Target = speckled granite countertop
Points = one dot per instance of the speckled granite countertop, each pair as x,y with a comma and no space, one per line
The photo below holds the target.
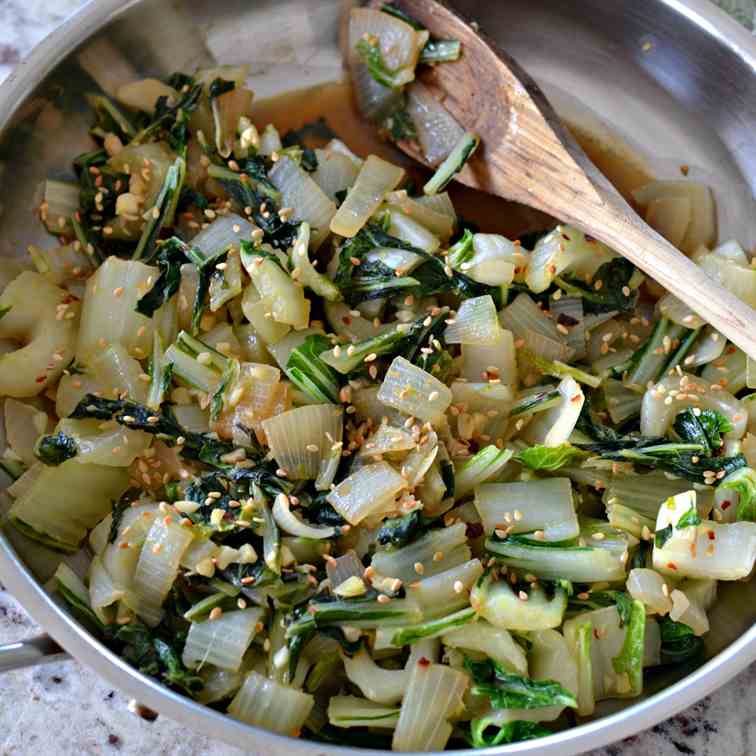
66,709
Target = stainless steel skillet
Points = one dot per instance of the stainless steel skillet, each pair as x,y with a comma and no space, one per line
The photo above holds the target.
673,79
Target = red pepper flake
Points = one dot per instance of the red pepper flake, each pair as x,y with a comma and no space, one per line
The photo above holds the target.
712,535
40,379
671,565
423,662
726,504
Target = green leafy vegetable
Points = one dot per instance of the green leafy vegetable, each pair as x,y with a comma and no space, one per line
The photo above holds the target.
609,289
510,691
397,532
310,374
369,51
629,661
678,642
705,427
511,732
155,655
171,256
742,482
55,449
549,458
123,504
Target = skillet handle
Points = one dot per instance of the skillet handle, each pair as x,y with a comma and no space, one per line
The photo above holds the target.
29,653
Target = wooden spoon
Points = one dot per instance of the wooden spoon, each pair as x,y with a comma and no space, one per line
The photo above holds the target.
527,155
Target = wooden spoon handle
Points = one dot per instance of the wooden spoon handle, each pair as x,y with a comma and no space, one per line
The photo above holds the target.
622,230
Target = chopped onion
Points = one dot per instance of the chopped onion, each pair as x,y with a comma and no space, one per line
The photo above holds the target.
494,642
368,491
440,223
545,347
437,130
375,180
24,424
158,566
335,172
732,251
525,506
524,315
671,217
678,312
225,232
708,347
102,592
301,439
221,642
476,322
307,199
738,279
568,312
647,586
621,402
352,711
447,591
483,362
143,94
412,390
292,524
495,260
62,201
344,567
433,697
703,224
267,704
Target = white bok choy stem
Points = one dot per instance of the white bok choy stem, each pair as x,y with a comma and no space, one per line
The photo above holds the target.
433,697
301,439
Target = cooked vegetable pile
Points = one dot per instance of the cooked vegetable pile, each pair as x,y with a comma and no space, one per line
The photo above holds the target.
345,467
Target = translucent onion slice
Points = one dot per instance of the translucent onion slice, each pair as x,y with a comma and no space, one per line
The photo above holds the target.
525,315
494,642
621,402
568,313
707,348
388,439
352,711
433,696
24,424
732,251
476,322
483,362
412,231
413,391
678,312
225,232
525,506
301,439
292,524
218,684
265,703
335,172
447,591
309,202
344,567
419,460
647,586
670,216
370,490
440,223
739,279
400,43
222,641
158,566
703,225
375,180
545,347
437,130
102,592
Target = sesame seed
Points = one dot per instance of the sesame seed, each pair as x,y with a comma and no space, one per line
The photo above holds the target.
216,613
419,569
